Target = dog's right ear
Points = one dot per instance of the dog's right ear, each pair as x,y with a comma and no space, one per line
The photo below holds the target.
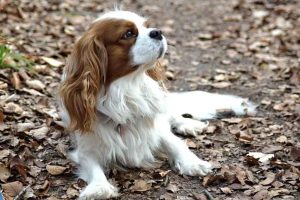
85,75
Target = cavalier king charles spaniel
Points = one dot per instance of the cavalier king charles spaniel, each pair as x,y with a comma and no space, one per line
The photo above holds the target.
113,100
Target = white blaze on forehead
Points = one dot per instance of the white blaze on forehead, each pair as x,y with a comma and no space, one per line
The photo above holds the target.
126,15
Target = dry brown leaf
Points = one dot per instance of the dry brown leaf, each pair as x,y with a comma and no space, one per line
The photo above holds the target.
282,139
51,61
190,143
243,136
4,173
35,84
55,169
226,190
164,173
269,180
211,129
3,85
18,164
221,85
15,80
4,153
233,120
32,92
172,188
295,153
263,158
1,117
271,149
240,175
21,127
261,195
12,189
72,192
40,133
13,108
141,186
211,178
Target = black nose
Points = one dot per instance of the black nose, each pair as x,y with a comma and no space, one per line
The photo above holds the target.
156,34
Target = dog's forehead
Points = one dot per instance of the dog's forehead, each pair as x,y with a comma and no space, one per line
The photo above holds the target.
125,15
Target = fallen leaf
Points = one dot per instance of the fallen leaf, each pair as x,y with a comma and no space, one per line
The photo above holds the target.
72,192
18,164
141,186
190,143
269,180
15,80
35,84
13,108
212,178
4,173
263,158
55,169
240,175
233,120
172,188
271,149
221,85
21,127
211,129
12,189
261,195
294,154
33,92
281,139
4,153
51,61
226,190
40,133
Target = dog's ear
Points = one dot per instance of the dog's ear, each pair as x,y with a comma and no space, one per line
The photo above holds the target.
84,77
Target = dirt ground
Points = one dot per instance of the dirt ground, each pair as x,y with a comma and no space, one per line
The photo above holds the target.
249,48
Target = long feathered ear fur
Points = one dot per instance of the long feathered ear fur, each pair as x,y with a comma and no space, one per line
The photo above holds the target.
85,75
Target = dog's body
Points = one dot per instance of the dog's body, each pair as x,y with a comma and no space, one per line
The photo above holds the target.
133,114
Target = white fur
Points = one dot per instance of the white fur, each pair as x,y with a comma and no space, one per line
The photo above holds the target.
135,116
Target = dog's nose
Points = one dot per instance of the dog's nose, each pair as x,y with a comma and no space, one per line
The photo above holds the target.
156,34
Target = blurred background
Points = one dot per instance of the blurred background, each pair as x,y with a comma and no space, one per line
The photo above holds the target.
246,47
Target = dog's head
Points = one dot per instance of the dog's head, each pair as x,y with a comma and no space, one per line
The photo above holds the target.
117,44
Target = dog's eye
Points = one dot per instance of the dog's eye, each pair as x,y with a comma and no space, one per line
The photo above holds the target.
129,34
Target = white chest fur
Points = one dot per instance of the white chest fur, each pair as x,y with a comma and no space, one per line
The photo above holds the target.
133,102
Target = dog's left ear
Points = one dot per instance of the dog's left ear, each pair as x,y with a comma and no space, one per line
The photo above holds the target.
85,75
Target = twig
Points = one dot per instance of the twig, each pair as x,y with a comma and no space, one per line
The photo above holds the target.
21,193
208,195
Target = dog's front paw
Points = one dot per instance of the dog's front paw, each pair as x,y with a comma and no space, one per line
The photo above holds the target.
188,127
96,191
193,166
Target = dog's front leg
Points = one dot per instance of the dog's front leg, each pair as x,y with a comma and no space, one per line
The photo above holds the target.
180,157
92,172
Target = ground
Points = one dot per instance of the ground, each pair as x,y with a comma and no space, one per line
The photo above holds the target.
249,48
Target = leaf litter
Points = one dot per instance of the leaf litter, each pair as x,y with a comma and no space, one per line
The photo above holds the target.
248,48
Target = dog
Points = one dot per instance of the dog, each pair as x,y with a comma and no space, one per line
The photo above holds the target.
113,100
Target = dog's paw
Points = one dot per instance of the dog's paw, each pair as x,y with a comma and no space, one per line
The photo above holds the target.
188,127
96,191
193,166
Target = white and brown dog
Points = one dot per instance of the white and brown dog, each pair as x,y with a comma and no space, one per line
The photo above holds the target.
112,99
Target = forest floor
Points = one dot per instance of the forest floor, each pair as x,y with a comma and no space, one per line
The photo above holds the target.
249,48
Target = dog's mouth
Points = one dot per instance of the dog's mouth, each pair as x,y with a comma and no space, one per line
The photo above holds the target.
161,52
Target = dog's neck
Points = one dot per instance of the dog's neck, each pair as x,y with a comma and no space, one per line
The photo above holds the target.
132,98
